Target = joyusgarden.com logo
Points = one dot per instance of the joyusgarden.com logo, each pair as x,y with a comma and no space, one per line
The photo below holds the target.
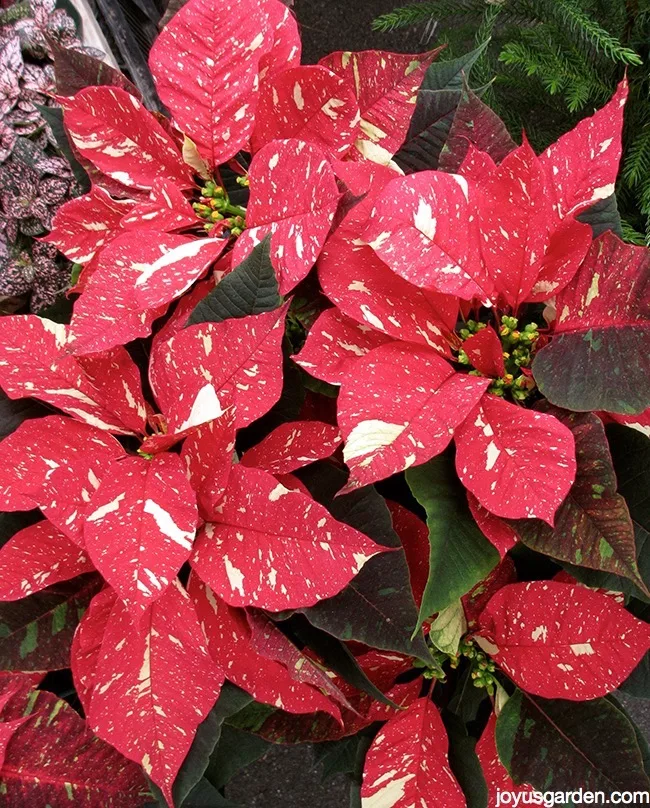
578,797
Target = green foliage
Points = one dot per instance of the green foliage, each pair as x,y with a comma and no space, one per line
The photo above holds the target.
551,62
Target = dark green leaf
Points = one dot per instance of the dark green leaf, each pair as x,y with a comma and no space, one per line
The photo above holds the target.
464,761
640,737
11,523
205,795
603,216
54,118
467,699
36,632
252,716
593,527
637,683
14,412
251,288
60,311
75,70
357,774
340,757
231,700
236,750
568,745
460,556
438,99
631,457
377,607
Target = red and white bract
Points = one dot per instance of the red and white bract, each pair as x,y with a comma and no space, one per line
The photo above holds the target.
480,595
87,644
309,103
401,409
115,132
414,535
640,422
88,772
133,282
495,529
167,210
155,682
176,322
386,87
207,454
34,361
610,290
365,289
298,221
292,446
36,557
140,527
207,366
117,379
272,644
561,641
209,82
275,548
230,643
408,763
515,215
286,47
84,225
581,167
568,244
334,344
497,779
422,227
55,464
477,164
485,353
501,447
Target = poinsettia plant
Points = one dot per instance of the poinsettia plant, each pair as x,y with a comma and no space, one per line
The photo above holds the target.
326,455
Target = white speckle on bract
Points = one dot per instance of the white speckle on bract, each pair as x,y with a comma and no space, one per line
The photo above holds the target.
424,219
278,491
369,436
463,184
541,632
235,576
389,795
298,99
582,649
104,510
330,107
593,292
167,526
493,453
189,250
371,318
206,407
